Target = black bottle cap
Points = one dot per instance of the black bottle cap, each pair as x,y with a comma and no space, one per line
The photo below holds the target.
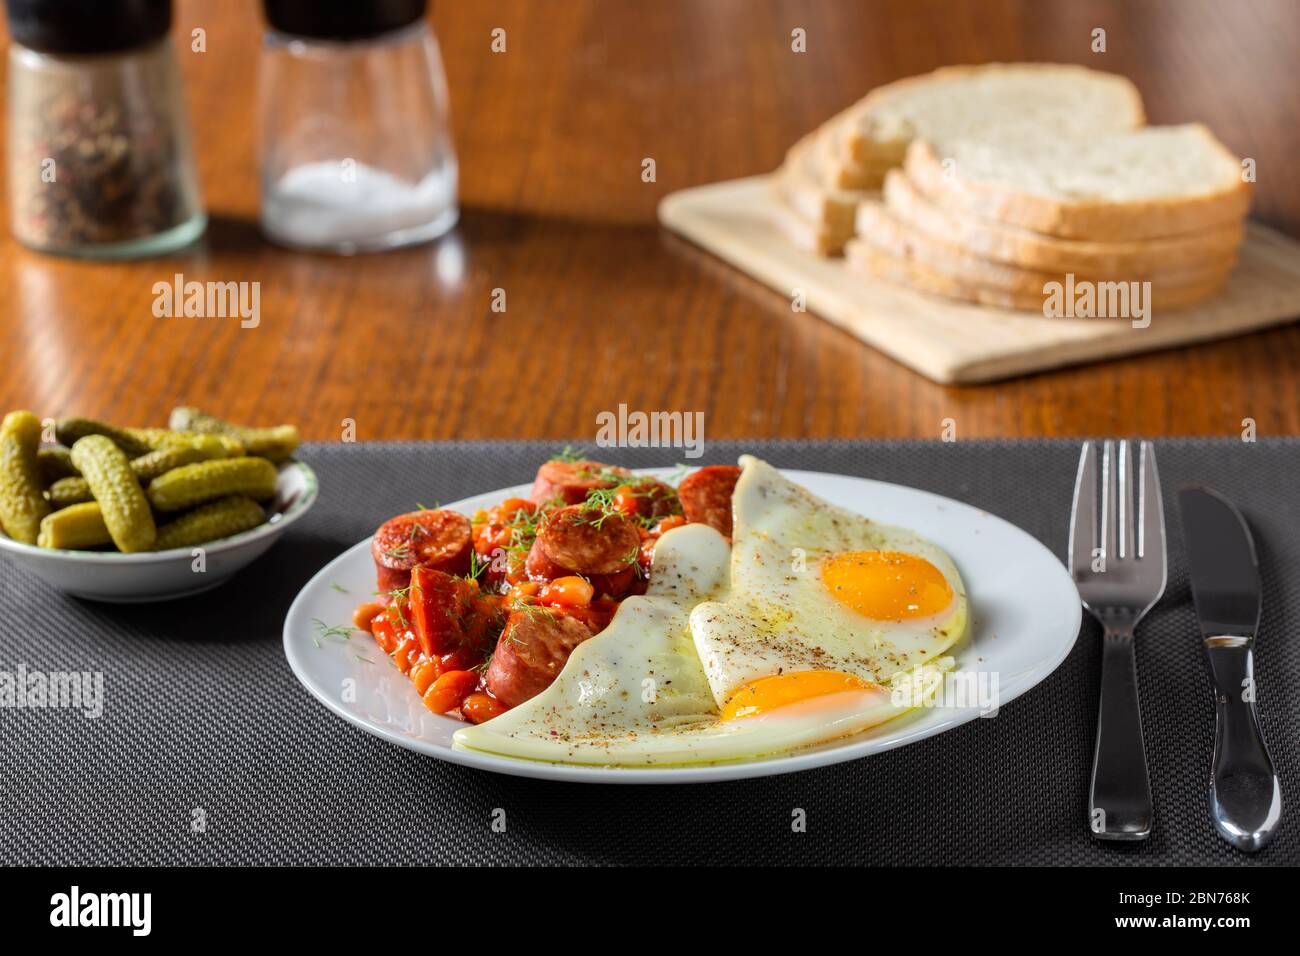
342,19
87,26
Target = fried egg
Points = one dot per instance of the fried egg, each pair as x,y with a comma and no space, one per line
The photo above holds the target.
822,600
640,694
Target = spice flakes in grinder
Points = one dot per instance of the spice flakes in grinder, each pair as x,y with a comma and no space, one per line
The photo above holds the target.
100,159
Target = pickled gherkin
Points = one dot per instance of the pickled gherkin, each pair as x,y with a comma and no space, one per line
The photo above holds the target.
187,418
22,505
117,490
55,463
71,491
276,443
71,430
75,527
148,467
204,481
217,519
210,446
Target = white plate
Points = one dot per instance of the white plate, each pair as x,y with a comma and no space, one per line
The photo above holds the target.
1024,606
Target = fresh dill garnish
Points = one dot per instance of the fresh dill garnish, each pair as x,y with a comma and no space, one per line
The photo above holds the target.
570,454
323,630
364,659
477,565
523,525
338,587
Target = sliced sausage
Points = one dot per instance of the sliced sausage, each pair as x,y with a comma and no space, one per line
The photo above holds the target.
540,568
430,539
589,541
706,496
570,481
532,650
618,584
652,497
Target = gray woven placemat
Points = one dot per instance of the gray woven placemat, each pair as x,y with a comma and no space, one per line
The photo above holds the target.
202,713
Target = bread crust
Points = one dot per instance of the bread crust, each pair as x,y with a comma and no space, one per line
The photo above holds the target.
880,229
1032,250
1098,219
859,144
910,274
802,187
816,237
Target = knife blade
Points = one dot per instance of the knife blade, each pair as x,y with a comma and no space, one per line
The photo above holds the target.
1223,564
1245,797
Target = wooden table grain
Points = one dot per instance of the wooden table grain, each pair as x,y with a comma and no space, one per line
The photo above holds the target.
602,307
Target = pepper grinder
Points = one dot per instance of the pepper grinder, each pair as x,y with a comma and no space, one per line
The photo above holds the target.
356,151
99,152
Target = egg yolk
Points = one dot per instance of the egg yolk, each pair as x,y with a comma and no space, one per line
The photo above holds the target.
780,690
886,585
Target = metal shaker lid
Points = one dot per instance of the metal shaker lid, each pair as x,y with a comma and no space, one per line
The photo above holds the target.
88,26
342,19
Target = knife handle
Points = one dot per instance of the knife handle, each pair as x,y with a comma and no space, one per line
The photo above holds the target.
1119,805
1245,797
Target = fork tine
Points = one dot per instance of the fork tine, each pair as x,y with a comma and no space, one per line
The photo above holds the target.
1128,494
1083,517
1108,508
1151,529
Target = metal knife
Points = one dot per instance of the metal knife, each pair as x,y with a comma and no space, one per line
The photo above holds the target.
1245,798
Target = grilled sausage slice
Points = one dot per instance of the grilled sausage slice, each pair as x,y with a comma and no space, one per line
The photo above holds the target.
706,496
571,481
531,652
432,539
589,541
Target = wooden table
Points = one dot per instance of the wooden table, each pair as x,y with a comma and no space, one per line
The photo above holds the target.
602,306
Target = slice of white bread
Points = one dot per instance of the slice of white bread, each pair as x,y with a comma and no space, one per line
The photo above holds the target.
1148,183
957,102
862,257
827,172
828,210
1032,250
878,228
839,173
805,233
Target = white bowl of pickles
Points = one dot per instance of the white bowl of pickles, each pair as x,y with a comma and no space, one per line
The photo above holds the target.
130,515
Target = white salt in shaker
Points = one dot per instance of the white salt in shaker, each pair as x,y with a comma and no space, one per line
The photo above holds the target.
356,149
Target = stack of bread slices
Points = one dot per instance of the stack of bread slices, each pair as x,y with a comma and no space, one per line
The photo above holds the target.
988,183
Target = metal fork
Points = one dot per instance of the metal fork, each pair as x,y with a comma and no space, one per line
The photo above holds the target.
1119,580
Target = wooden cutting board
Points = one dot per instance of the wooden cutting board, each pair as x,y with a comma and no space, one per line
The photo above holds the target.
955,343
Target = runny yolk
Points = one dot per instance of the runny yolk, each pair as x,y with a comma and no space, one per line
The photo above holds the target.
780,690
886,585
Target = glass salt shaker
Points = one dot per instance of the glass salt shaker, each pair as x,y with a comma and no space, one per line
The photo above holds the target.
356,150
99,152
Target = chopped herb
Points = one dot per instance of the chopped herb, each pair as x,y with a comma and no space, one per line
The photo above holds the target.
570,454
477,565
323,630
338,587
